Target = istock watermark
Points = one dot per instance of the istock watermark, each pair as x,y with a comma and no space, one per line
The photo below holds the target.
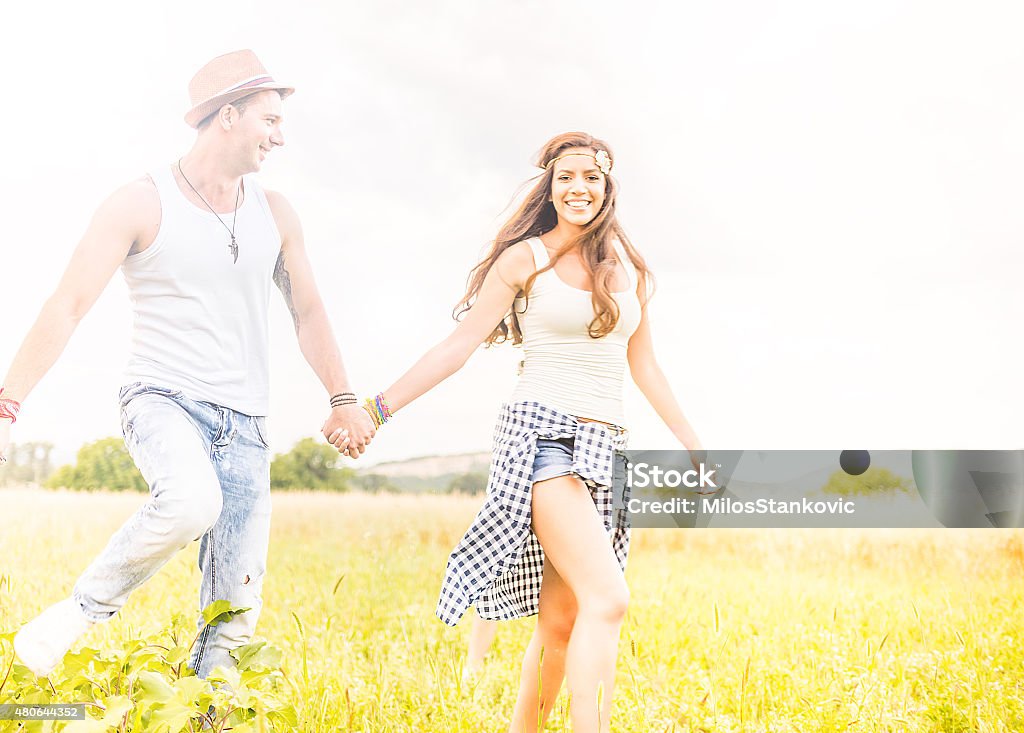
726,505
51,711
849,488
644,475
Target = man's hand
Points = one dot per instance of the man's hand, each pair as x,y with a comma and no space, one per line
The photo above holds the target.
349,429
5,438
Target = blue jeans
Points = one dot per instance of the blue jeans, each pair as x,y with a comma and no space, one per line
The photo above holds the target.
208,470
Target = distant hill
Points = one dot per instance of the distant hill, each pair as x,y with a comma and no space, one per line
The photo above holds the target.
436,473
433,466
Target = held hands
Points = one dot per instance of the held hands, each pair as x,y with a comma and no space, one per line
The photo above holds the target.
349,429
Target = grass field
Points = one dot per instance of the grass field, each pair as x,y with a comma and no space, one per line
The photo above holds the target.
728,630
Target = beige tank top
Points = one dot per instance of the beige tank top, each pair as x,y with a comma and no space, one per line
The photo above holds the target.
563,367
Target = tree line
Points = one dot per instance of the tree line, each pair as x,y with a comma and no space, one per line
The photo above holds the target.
310,465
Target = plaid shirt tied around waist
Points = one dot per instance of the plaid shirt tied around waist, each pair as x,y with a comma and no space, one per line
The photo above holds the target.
498,565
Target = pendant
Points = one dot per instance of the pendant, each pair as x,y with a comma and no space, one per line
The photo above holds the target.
234,248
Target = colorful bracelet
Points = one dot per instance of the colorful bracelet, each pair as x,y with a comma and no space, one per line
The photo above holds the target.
372,412
9,408
382,406
378,410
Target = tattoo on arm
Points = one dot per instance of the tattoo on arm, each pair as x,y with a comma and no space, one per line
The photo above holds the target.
284,284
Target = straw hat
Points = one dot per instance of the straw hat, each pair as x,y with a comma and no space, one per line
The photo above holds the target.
227,79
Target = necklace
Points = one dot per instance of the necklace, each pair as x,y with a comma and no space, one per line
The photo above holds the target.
233,247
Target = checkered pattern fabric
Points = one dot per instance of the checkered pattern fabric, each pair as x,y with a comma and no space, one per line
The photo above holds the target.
498,565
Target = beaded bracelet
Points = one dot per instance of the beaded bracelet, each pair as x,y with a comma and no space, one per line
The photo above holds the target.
382,406
372,412
343,398
9,408
378,410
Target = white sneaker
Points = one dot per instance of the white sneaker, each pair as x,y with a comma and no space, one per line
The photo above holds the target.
42,643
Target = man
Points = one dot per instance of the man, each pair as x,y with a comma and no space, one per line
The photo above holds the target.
199,243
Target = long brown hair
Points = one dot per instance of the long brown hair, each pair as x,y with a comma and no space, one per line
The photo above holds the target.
537,216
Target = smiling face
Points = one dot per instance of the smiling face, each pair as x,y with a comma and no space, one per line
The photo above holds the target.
577,187
256,129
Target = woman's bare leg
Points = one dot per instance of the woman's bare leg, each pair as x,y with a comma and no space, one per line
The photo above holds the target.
539,685
481,636
577,546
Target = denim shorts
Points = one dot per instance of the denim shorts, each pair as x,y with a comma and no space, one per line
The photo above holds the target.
553,458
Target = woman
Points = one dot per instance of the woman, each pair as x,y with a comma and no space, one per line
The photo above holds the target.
563,280
481,636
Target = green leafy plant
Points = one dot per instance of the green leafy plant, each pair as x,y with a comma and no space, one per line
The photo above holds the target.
146,685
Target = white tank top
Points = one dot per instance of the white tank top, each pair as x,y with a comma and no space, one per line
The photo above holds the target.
563,367
201,320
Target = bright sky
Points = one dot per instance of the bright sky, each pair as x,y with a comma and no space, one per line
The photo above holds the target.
830,195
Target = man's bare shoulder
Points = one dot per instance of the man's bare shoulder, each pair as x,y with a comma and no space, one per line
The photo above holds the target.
136,201
285,217
129,218
277,201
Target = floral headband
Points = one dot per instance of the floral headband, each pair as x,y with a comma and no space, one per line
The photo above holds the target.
601,157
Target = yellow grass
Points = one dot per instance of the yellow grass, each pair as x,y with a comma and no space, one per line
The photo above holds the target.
728,630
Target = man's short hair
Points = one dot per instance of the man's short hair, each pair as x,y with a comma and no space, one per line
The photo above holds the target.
239,104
